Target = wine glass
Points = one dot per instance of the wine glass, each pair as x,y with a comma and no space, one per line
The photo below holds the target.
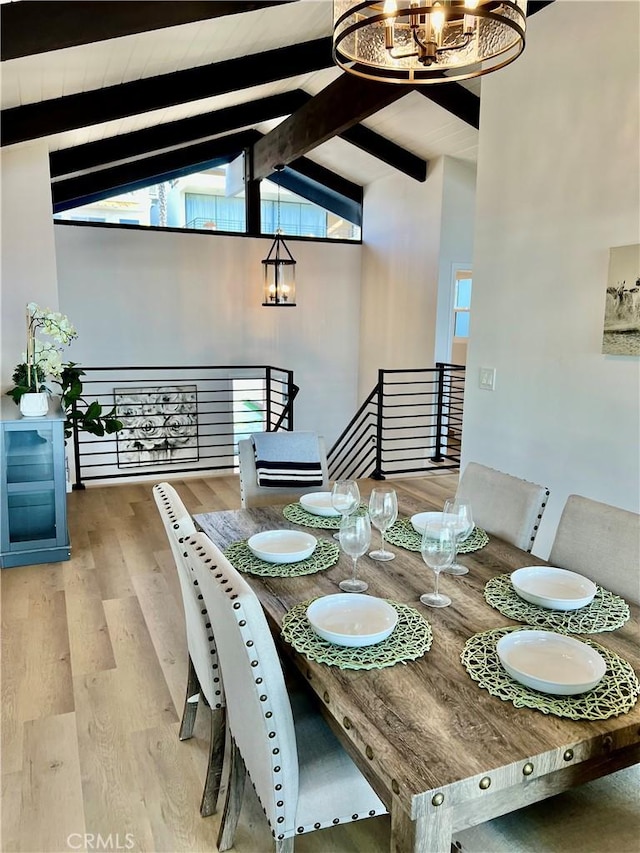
383,511
460,515
437,548
355,538
345,498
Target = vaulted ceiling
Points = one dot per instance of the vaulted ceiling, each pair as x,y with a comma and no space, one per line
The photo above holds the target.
128,92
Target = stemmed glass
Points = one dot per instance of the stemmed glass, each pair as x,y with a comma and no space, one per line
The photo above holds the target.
461,517
355,538
345,498
383,511
437,548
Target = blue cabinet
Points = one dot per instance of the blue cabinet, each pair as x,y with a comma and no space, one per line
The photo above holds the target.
33,498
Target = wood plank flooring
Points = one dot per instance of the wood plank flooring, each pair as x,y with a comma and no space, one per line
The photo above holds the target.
93,674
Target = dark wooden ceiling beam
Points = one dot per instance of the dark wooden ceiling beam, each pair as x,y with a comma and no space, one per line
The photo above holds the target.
387,151
323,177
161,136
161,167
534,6
154,139
455,99
343,103
295,179
33,121
39,26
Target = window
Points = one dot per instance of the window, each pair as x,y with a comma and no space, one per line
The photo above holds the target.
200,201
248,407
299,217
214,212
462,304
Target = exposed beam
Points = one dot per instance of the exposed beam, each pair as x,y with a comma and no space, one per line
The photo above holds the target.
336,108
320,194
144,142
139,96
455,99
39,26
105,182
323,177
387,151
161,136
534,6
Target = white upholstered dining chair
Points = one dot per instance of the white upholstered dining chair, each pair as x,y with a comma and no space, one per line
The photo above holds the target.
303,777
601,542
204,678
602,816
252,494
506,506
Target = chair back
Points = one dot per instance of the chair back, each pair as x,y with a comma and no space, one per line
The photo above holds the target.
258,707
506,506
601,542
179,526
251,494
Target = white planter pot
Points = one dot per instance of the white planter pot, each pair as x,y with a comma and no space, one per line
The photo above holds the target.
34,405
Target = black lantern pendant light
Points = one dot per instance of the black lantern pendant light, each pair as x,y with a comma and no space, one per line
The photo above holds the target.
279,269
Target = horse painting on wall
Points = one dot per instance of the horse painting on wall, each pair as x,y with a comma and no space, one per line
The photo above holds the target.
621,334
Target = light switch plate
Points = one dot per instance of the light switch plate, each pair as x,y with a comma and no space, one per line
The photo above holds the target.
488,378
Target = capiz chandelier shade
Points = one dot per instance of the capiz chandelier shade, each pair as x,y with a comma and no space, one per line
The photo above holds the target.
411,41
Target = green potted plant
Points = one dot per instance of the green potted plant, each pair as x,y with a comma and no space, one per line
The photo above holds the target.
42,360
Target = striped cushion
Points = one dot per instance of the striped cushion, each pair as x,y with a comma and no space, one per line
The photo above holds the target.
288,473
288,459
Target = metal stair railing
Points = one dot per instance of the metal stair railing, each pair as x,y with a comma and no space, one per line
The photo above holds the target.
410,423
353,453
179,420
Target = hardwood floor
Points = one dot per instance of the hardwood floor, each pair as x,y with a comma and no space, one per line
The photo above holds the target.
93,677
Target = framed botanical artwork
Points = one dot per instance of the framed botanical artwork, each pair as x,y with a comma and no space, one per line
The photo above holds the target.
160,424
621,335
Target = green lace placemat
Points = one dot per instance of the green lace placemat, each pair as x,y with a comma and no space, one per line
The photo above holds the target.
299,515
326,554
410,639
403,535
607,611
616,694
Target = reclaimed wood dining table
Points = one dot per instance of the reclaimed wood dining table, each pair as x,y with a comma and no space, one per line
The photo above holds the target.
442,753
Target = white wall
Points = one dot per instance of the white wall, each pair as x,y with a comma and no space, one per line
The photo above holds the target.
161,298
558,185
401,228
456,248
28,266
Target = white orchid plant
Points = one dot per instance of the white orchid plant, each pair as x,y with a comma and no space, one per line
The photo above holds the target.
43,360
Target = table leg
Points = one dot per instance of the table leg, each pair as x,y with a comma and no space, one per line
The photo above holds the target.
428,834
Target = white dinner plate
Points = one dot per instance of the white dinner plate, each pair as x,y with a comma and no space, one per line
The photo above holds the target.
352,619
421,519
282,546
551,663
319,503
553,588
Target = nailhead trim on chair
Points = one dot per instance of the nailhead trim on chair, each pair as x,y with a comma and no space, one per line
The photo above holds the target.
249,643
176,526
535,526
168,510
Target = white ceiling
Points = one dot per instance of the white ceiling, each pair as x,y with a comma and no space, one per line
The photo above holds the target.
414,122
